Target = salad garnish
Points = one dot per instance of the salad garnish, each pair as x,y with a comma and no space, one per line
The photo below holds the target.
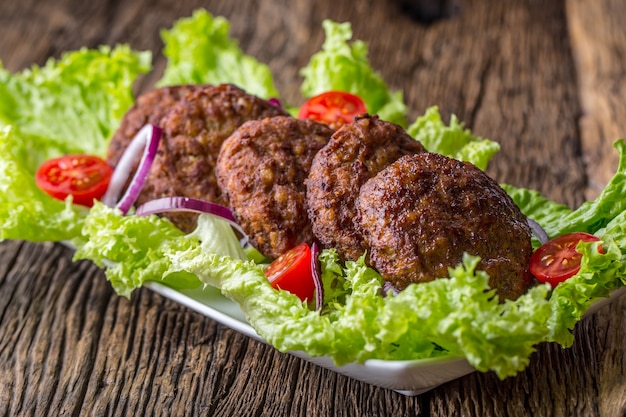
192,205
538,231
83,177
317,276
557,260
334,108
293,271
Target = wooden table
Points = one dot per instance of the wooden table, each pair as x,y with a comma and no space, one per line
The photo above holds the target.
545,79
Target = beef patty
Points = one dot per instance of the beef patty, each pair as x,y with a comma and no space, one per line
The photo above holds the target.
354,154
420,214
261,170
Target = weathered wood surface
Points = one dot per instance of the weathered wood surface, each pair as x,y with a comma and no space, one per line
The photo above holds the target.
545,79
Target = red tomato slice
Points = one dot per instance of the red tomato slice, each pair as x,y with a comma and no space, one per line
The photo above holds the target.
558,259
292,272
335,108
85,177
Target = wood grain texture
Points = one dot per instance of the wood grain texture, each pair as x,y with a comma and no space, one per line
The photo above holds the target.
598,41
545,79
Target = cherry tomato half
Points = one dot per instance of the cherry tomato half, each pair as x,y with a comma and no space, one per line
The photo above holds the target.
292,272
335,108
85,177
558,259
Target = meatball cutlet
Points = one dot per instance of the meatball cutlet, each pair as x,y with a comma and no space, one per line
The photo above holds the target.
194,129
420,215
261,169
355,153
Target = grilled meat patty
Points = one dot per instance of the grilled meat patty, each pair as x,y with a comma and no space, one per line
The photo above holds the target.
421,213
261,170
355,153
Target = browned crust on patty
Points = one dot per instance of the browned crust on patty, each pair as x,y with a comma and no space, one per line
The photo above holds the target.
150,107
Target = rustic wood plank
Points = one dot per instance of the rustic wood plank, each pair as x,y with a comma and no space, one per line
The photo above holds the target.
598,39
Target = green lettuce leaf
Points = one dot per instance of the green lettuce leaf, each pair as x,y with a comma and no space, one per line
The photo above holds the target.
455,316
68,106
600,273
199,51
131,249
544,211
217,236
594,215
344,67
71,105
591,216
333,281
453,141
458,316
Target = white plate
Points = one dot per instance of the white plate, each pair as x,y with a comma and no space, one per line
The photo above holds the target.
411,377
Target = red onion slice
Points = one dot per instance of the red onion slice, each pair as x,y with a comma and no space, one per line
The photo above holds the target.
317,277
537,230
177,204
147,139
275,102
389,287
